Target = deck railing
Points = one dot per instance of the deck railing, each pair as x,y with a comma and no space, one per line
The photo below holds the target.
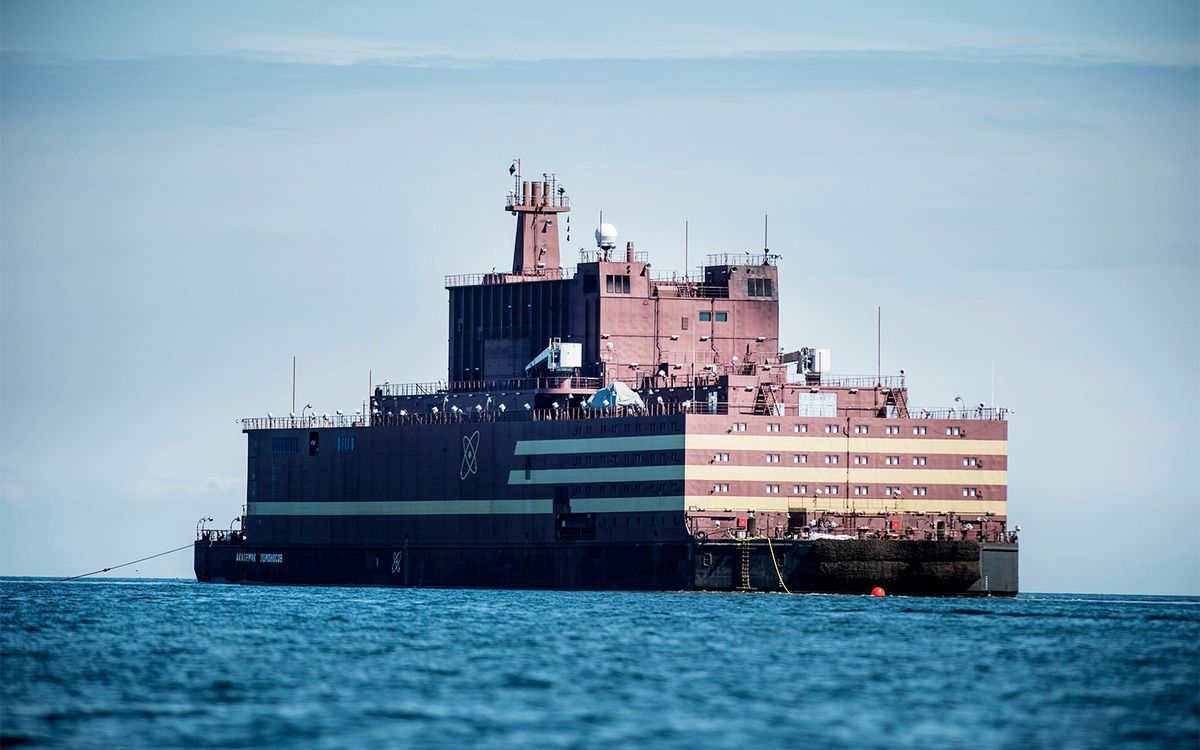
312,422
667,408
998,413
504,277
741,259
497,385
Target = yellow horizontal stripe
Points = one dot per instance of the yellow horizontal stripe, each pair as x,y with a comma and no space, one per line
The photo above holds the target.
800,442
838,504
465,507
833,474
657,473
599,445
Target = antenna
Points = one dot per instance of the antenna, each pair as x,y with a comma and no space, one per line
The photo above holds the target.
765,246
293,382
685,249
878,346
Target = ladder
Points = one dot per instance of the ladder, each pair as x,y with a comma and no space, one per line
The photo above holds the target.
745,585
765,400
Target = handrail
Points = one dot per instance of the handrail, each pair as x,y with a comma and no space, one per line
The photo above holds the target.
313,421
995,413
741,259
861,381
498,277
615,255
563,382
493,414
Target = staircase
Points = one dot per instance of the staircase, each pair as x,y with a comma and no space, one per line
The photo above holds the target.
765,401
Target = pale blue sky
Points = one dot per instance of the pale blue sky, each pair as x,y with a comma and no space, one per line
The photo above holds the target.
193,192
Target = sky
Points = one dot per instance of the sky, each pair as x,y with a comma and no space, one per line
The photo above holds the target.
192,193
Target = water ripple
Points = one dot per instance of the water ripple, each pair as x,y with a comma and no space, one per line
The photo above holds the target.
178,664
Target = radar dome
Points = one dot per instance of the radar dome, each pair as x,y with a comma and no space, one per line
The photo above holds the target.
606,236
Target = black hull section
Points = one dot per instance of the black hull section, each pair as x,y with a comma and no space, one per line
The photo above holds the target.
938,568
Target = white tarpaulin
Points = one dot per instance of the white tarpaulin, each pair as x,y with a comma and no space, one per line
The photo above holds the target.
617,394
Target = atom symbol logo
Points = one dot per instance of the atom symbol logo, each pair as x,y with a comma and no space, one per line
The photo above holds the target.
470,452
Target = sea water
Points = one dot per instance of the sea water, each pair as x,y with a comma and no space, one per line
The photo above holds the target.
132,663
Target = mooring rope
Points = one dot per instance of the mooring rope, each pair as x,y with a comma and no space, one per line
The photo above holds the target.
122,565
775,562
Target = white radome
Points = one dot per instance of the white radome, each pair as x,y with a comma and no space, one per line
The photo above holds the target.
606,236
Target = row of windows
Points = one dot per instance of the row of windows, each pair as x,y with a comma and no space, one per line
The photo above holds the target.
759,287
860,429
859,460
773,489
616,428
616,284
718,316
861,490
893,491
629,458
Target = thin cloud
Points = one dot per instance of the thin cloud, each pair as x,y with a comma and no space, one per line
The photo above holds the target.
322,49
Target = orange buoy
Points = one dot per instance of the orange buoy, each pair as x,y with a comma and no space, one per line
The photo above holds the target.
878,591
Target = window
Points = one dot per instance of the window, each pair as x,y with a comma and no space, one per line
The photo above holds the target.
739,427
721,457
918,460
860,429
892,491
722,317
759,287
772,489
346,443
832,429
892,430
799,428
953,430
683,323
831,459
861,490
918,430
892,460
920,491
705,316
799,489
772,428
861,460
970,461
285,445
970,492
616,284
799,458
772,458
831,489
720,488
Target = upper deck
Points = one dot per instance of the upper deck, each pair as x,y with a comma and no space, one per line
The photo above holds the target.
703,342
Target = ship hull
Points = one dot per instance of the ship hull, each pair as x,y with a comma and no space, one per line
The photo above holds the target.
938,568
